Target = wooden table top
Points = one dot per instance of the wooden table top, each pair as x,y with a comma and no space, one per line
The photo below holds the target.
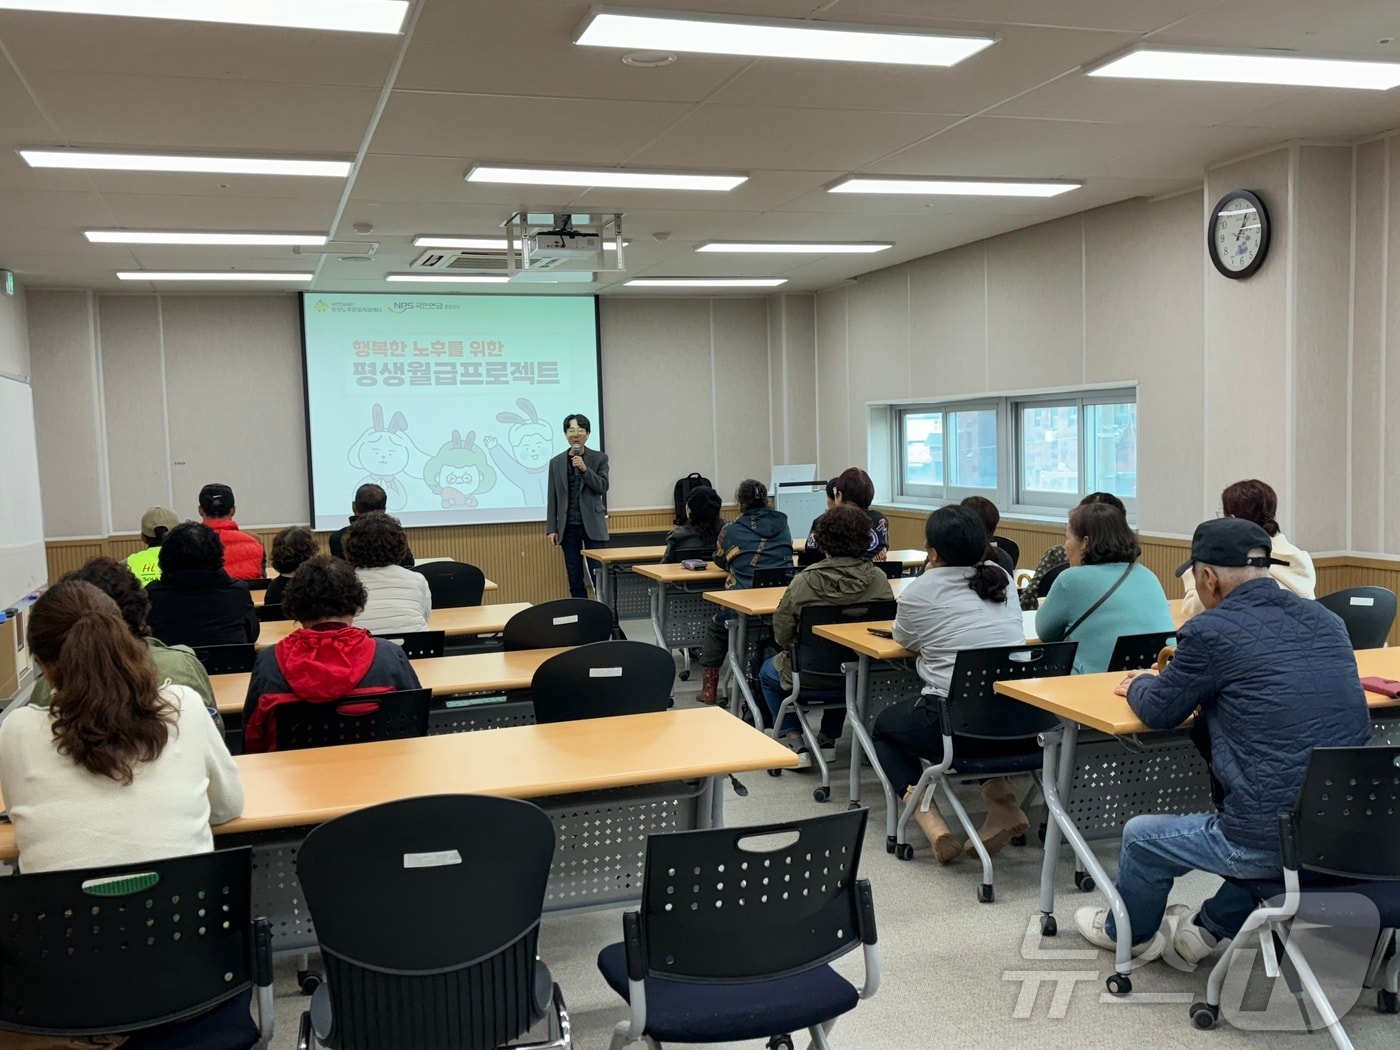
763,601
471,619
907,556
672,572
260,597
293,788
492,672
613,555
1089,699
857,638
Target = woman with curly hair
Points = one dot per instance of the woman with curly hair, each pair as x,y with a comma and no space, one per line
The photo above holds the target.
398,598
291,549
326,658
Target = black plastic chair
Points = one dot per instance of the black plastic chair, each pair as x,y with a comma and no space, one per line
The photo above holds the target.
419,645
226,659
1136,652
1340,849
820,661
564,621
427,912
893,570
167,948
737,931
354,720
1042,587
1010,546
258,585
453,584
602,679
779,576
1368,612
975,711
270,613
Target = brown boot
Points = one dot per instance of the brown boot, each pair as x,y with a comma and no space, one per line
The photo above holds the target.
1004,817
710,688
932,824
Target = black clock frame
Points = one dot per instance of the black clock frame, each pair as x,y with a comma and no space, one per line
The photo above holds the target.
1264,233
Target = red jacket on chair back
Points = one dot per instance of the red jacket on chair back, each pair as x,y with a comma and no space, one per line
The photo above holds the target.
243,554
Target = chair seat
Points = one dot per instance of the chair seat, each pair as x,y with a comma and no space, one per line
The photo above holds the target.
1315,906
687,1012
996,765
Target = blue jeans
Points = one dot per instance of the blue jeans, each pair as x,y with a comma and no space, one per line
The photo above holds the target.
774,693
1158,848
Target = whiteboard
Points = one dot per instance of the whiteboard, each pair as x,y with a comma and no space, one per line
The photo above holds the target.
23,565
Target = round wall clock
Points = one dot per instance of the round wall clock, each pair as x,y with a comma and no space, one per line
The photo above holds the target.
1237,235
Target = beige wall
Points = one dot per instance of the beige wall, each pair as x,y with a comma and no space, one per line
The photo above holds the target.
142,399
14,335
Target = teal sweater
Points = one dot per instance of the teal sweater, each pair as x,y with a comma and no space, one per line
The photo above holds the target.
1139,606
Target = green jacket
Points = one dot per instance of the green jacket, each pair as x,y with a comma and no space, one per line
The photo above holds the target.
831,581
174,662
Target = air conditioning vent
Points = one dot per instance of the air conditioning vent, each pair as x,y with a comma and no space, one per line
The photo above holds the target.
462,262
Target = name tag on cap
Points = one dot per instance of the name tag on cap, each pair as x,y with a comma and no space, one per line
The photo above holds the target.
440,859
605,672
565,619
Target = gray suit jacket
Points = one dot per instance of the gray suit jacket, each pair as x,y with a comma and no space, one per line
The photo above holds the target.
592,497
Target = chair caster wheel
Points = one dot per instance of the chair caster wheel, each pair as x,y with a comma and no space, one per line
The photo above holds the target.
1119,984
821,794
1387,1002
1204,1016
775,772
684,676
853,804
309,981
1048,926
1083,881
891,843
780,1042
1018,840
904,851
986,894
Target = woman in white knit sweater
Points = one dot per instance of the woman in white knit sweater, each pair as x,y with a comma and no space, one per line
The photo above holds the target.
399,599
122,767
1256,501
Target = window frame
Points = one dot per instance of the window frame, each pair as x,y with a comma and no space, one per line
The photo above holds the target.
947,492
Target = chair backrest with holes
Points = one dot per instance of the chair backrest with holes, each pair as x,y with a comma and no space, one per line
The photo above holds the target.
1347,821
742,904
226,659
1136,652
419,645
303,724
977,710
122,948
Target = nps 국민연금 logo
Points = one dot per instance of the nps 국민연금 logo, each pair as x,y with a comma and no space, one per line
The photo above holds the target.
321,306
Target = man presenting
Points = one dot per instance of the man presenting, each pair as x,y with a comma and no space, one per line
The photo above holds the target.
577,514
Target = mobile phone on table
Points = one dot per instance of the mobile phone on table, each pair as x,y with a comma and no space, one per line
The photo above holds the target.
880,632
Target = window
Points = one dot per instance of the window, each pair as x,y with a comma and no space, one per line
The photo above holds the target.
1030,453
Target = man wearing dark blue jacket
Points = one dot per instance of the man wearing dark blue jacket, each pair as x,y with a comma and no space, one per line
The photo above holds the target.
1273,676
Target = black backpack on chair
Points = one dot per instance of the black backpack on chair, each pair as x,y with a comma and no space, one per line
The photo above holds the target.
684,487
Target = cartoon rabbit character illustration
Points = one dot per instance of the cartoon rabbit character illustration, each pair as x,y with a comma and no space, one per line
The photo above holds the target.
385,453
530,439
459,471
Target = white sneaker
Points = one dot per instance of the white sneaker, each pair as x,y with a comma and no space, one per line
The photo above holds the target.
1187,941
1090,922
794,743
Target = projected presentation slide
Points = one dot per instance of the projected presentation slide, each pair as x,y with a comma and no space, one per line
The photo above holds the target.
453,403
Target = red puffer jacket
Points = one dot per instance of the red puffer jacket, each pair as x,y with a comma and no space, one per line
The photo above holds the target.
243,554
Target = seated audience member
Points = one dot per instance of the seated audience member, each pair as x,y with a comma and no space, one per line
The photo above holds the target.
399,599
854,486
291,549
326,658
960,602
991,518
1272,676
810,551
1105,593
175,664
843,577
758,539
195,602
369,499
244,557
1055,558
118,768
1292,569
696,538
155,523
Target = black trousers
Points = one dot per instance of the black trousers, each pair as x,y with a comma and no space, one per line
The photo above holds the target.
574,541
912,730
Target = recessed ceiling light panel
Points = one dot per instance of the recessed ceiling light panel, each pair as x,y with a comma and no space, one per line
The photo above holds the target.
777,38
796,247
1250,67
953,187
210,276
90,160
351,16
706,282
606,178
233,239
448,278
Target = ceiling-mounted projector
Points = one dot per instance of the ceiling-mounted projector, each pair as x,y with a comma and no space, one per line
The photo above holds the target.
563,246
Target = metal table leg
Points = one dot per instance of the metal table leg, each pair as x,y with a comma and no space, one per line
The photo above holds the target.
658,613
1057,766
715,786
602,585
739,685
866,745
854,709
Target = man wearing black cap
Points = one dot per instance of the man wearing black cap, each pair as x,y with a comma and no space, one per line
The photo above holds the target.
1273,676
244,557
